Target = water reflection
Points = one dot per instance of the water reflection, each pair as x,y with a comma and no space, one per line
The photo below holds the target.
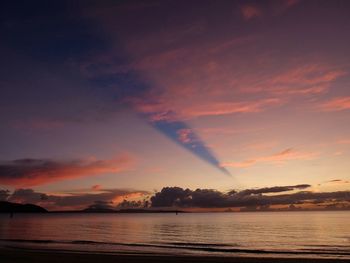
291,231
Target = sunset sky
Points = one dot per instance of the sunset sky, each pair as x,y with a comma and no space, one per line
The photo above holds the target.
107,100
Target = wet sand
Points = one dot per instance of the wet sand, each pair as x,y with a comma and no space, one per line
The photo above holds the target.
12,255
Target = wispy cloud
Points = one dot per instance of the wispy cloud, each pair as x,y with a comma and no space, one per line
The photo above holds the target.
161,111
277,158
343,141
336,104
191,71
337,181
225,108
299,80
250,12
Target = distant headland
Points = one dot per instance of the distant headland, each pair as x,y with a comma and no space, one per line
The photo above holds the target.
8,207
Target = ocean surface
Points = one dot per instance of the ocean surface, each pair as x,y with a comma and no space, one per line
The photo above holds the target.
280,234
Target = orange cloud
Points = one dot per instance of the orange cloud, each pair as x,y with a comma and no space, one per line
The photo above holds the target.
288,154
129,196
336,104
344,141
225,108
278,158
31,172
299,80
243,164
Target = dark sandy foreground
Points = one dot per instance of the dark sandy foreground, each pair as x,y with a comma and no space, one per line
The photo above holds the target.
8,255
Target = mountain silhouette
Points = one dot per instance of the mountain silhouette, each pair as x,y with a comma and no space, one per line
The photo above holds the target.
8,207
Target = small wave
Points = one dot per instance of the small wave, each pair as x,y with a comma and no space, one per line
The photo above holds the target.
205,247
201,244
39,241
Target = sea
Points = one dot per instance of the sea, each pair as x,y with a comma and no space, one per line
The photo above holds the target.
308,234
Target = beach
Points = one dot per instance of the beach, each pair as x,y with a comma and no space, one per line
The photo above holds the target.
11,255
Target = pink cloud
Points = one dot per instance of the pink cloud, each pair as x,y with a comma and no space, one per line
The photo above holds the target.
343,141
219,90
226,74
225,108
185,135
250,12
32,172
278,158
163,111
243,164
336,104
299,80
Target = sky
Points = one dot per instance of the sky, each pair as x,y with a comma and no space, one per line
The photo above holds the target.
103,101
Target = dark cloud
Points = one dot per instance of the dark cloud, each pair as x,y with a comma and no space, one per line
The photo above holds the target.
339,181
275,189
209,198
170,196
179,197
4,194
101,205
133,204
29,172
72,201
27,196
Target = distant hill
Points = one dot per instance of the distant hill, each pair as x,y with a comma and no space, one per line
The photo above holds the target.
7,207
126,210
97,210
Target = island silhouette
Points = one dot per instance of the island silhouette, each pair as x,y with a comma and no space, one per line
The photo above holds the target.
8,207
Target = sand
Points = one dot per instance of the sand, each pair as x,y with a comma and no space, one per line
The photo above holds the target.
16,255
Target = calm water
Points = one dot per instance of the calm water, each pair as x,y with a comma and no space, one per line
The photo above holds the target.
302,234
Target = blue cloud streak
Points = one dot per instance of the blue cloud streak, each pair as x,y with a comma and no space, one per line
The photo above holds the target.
175,129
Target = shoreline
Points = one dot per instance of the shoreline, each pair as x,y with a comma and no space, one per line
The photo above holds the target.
20,255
